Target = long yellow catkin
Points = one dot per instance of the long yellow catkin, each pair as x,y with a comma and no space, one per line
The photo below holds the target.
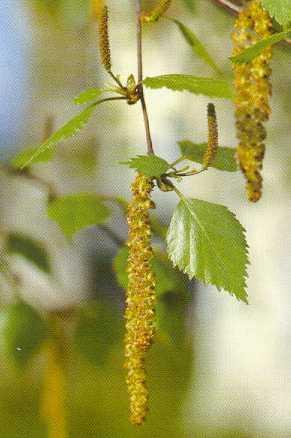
54,394
104,42
140,300
252,92
212,146
97,8
157,12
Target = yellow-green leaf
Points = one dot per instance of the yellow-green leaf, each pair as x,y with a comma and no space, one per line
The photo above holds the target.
22,157
256,49
88,95
211,87
148,165
279,9
196,45
207,242
68,130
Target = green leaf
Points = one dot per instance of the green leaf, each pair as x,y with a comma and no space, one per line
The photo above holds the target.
279,9
256,49
196,45
207,86
206,241
224,160
31,249
22,331
68,130
149,165
167,278
74,212
20,159
88,95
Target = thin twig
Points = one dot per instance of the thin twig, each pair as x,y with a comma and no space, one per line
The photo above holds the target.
228,5
150,148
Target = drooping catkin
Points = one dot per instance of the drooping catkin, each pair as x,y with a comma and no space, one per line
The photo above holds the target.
140,299
97,8
252,92
104,42
157,12
212,146
53,407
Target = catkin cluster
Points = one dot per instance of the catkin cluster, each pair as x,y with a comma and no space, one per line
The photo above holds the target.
252,92
140,300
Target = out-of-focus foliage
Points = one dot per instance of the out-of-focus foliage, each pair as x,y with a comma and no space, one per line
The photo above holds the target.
22,331
30,249
74,212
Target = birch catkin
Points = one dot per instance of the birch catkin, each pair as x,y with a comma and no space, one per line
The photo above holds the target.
252,92
212,146
104,42
140,300
54,395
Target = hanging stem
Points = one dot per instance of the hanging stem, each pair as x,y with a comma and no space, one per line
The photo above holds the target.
150,148
228,5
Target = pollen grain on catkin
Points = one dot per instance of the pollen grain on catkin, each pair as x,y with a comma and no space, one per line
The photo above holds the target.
140,299
252,92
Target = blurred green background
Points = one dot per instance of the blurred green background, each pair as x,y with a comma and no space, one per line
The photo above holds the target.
218,368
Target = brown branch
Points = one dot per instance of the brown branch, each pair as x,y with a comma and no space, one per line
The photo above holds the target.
150,148
228,5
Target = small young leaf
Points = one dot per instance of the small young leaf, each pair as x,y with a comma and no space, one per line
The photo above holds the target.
68,130
197,46
224,160
168,279
30,249
20,159
74,212
149,165
255,50
88,95
279,9
22,331
206,241
198,85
